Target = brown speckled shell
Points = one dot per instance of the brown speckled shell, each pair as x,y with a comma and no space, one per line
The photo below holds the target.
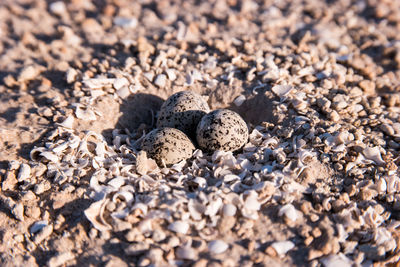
167,145
183,111
222,129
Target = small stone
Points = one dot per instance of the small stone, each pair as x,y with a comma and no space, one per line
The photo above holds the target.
24,172
18,211
387,129
226,224
124,92
171,74
29,73
9,181
137,249
186,253
126,22
10,81
71,75
58,8
60,259
160,80
44,233
367,86
334,116
120,82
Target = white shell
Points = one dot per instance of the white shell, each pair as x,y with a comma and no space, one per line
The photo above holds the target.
282,90
239,100
217,246
68,122
85,114
37,226
179,227
282,247
120,82
125,22
337,260
289,211
186,253
96,83
229,210
213,208
94,215
24,172
373,153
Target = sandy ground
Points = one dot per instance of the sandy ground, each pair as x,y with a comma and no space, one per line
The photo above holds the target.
50,51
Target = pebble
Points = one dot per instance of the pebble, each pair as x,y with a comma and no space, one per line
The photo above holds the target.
160,80
229,210
18,211
58,8
9,181
186,253
44,233
171,74
130,23
387,129
368,87
71,75
120,83
334,116
29,73
24,172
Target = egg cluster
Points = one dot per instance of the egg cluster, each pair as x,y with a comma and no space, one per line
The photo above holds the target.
185,119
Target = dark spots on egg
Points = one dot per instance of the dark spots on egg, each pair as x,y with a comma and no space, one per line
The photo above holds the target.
222,130
183,111
168,145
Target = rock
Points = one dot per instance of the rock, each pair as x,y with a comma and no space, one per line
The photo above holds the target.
44,233
60,259
9,181
160,80
29,73
367,86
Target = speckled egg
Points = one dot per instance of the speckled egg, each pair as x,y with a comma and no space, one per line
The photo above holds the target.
167,145
183,111
222,129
